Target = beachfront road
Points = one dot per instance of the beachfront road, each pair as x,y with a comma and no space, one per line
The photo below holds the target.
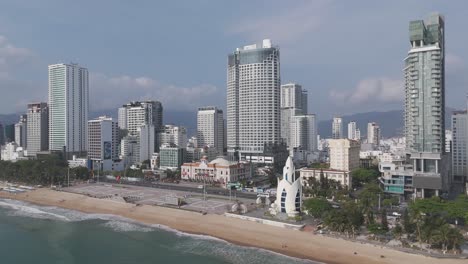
187,188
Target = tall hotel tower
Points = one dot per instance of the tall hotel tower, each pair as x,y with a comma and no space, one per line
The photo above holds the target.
253,99
68,108
425,106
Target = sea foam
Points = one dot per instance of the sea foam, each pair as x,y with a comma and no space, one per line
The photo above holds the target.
196,244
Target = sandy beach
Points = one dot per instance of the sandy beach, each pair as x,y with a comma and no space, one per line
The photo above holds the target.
298,244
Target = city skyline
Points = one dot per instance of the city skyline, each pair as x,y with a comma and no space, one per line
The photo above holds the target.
130,77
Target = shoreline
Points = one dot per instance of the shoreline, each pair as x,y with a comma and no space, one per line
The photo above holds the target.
302,245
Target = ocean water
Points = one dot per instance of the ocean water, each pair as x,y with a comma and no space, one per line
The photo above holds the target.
37,234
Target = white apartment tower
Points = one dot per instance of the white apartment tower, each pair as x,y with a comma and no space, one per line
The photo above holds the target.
146,142
253,98
304,132
353,131
37,128
337,128
135,114
210,128
171,134
373,134
21,131
293,103
103,139
68,108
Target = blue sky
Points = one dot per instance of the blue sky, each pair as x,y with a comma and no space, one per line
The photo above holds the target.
347,54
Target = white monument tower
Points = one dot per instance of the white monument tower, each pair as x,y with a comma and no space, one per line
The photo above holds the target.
289,192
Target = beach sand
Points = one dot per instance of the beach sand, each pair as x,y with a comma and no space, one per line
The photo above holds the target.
289,242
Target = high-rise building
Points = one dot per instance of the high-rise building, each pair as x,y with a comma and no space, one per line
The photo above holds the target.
146,139
304,132
103,139
353,131
135,114
293,103
21,131
373,134
122,117
253,99
37,129
344,154
68,108
210,128
337,128
460,146
171,134
425,106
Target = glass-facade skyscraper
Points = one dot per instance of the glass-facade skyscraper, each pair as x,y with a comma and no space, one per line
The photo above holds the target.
425,86
425,105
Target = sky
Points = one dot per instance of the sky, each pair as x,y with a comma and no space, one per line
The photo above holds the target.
347,54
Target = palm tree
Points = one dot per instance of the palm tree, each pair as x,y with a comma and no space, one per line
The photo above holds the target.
455,239
442,236
418,218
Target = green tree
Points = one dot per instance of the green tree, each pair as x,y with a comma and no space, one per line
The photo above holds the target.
368,199
397,232
442,236
362,176
384,220
407,225
317,207
458,209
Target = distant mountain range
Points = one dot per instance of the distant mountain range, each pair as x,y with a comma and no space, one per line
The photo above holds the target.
391,122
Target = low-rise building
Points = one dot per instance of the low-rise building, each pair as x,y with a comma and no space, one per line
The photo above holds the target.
341,176
219,171
79,162
11,152
171,156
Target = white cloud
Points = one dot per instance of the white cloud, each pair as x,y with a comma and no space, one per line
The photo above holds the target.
289,26
10,56
111,92
377,90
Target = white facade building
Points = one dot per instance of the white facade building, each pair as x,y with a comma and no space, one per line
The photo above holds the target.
37,128
103,140
21,131
68,108
337,128
344,154
146,138
303,133
130,150
171,134
340,176
219,171
210,128
353,132
253,98
135,114
12,152
293,103
373,134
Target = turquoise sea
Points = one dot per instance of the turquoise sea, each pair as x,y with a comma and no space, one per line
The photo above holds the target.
37,234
